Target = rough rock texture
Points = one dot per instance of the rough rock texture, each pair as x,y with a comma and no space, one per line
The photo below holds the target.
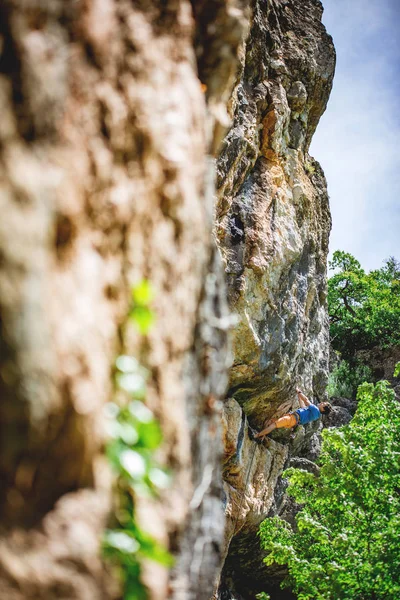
382,362
111,111
105,180
253,490
341,414
248,462
273,217
273,224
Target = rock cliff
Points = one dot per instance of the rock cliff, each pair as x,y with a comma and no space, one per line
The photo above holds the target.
112,112
272,226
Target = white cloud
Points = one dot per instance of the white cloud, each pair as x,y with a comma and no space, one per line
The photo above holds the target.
357,139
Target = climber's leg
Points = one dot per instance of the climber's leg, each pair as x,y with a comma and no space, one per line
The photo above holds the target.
270,427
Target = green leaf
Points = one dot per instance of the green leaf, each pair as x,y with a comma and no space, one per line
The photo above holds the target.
142,293
152,550
133,383
143,318
133,463
140,412
159,478
122,541
127,364
150,435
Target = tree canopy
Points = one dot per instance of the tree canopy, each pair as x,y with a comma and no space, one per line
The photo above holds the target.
347,541
364,308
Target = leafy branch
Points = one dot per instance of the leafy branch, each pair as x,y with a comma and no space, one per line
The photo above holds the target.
134,436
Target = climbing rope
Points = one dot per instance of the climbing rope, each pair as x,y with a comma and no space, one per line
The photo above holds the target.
245,487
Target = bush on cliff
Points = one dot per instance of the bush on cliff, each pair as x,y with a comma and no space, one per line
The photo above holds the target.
347,541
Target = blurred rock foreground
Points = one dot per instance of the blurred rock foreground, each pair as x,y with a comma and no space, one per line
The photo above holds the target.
132,135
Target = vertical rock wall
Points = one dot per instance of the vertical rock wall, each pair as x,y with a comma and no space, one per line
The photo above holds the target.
273,224
111,112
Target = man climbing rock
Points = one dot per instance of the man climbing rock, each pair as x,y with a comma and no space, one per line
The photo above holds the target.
305,414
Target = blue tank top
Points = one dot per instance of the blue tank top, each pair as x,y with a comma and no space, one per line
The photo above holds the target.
306,415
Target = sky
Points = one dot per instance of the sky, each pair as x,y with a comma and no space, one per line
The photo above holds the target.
357,140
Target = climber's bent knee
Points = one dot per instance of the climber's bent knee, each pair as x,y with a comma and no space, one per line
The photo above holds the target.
286,422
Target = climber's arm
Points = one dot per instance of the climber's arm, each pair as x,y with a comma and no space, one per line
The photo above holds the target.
303,400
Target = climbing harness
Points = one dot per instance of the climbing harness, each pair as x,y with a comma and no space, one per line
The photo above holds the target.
245,487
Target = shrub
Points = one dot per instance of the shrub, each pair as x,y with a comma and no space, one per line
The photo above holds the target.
347,541
346,377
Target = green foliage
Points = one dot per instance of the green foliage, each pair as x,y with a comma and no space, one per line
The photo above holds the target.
134,435
364,308
347,542
346,377
309,168
141,314
397,370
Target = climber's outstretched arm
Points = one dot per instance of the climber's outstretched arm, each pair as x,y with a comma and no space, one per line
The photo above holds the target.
303,400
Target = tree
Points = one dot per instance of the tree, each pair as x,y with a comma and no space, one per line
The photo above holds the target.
364,308
347,540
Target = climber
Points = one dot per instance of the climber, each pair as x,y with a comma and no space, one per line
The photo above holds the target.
305,414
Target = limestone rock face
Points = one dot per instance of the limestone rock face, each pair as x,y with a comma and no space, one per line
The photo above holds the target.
273,225
273,217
